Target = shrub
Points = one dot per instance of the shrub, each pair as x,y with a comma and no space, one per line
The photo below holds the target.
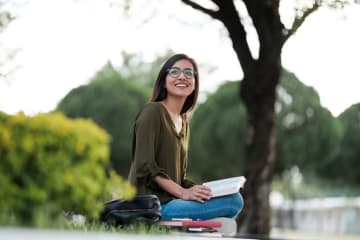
51,163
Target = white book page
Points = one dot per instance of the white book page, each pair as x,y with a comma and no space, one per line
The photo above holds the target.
226,186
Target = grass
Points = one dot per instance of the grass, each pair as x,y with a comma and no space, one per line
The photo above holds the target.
135,228
43,221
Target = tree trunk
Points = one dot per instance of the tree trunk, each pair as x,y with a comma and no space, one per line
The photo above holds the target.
258,91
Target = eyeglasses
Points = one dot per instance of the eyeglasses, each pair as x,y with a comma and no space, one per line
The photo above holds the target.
175,72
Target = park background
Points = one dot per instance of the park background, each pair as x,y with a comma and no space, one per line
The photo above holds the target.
53,47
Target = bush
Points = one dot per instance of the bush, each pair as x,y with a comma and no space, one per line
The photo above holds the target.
50,163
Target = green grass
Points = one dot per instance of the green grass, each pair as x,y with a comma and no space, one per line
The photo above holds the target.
43,221
136,228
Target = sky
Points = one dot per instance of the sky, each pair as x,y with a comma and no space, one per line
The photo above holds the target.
64,42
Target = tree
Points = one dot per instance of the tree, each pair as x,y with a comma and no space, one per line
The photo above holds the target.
217,136
309,135
258,90
7,65
349,153
112,101
135,69
5,16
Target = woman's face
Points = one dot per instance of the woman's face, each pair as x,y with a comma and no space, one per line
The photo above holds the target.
180,80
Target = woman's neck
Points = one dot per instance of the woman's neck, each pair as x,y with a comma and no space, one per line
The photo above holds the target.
173,105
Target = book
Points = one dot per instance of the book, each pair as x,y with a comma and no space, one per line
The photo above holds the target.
226,186
204,233
190,223
218,227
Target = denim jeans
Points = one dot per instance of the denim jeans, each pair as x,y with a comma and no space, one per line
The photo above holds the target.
225,206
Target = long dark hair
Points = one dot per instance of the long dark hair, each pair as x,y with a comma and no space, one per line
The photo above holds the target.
159,90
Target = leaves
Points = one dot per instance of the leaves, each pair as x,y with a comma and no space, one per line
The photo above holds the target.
112,101
308,135
50,160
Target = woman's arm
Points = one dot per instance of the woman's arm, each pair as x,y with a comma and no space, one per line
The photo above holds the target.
197,192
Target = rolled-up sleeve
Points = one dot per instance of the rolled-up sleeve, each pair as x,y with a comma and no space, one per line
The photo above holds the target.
187,183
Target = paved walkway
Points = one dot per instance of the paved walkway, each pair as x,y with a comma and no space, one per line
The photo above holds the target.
37,234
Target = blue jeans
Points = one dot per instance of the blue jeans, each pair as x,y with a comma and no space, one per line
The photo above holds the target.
225,206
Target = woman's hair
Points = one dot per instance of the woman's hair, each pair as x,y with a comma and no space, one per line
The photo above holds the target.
159,90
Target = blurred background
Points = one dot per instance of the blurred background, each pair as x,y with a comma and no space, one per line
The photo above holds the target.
74,73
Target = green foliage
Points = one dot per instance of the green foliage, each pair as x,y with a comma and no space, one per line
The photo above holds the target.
5,18
217,135
349,155
308,135
50,163
112,101
7,55
135,69
5,15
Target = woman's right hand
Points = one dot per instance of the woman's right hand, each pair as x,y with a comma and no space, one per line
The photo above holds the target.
198,193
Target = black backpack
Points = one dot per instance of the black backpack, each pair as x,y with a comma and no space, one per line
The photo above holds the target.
142,208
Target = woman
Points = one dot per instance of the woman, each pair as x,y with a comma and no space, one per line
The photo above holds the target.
160,147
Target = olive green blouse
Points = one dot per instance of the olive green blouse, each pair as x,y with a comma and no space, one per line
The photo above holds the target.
158,150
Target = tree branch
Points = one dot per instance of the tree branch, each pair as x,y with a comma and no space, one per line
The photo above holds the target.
212,13
228,15
299,20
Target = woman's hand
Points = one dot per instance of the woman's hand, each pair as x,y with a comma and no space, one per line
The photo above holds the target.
198,193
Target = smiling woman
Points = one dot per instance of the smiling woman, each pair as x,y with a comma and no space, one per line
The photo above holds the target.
160,148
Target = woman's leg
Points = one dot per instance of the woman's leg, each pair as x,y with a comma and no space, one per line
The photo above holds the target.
226,206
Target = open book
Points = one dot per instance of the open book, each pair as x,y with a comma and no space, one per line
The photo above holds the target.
226,186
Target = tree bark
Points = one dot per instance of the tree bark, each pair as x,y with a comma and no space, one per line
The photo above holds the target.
260,148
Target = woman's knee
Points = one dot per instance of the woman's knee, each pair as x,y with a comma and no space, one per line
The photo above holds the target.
237,203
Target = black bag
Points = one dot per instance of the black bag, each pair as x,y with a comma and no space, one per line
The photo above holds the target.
142,208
